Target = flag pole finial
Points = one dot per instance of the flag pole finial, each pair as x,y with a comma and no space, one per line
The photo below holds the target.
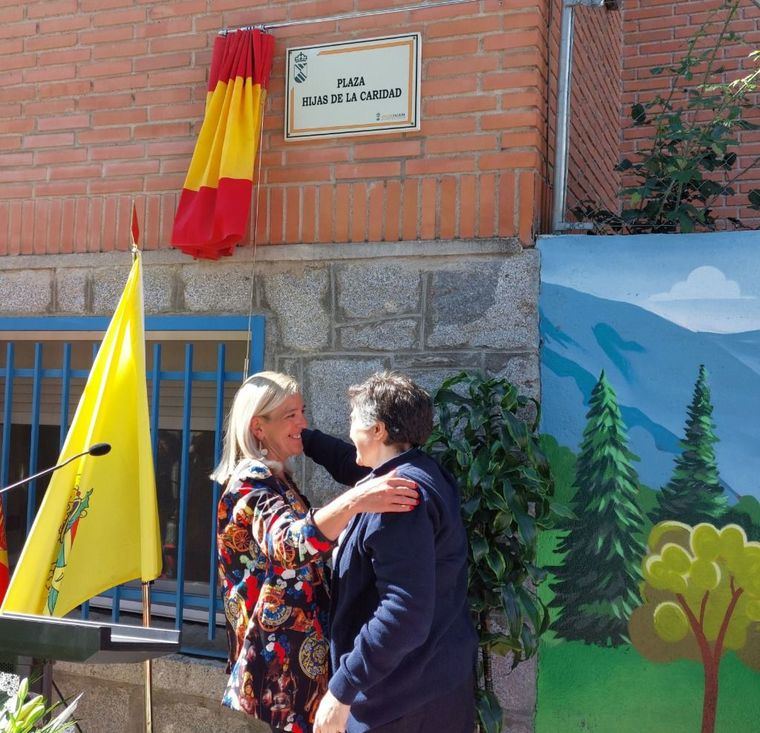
134,232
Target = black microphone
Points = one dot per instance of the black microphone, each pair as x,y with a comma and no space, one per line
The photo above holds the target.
98,449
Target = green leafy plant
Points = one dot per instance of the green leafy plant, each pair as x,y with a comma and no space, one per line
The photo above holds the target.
24,713
691,160
484,440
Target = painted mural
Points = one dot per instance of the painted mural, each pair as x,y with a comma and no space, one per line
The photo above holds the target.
650,371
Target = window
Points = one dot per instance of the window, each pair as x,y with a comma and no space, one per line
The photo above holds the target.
194,366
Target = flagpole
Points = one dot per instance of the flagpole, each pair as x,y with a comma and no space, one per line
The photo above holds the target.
148,670
134,231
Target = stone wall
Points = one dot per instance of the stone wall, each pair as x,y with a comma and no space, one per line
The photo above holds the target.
334,314
186,697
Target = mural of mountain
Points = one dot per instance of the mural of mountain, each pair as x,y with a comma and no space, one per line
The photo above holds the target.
652,364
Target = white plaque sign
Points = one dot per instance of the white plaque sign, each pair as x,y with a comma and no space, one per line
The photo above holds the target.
356,88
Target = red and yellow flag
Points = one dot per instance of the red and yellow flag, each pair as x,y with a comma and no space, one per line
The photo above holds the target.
212,216
4,571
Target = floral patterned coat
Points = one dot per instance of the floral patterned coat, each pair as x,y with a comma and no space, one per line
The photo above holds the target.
271,564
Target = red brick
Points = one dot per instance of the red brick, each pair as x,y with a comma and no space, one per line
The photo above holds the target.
486,206
342,213
69,172
400,149
163,61
48,141
16,160
308,218
276,214
448,207
410,214
458,105
119,117
467,206
51,7
428,209
507,226
392,211
458,47
479,26
4,218
104,135
368,170
434,166
35,42
15,218
297,174
459,143
358,231
310,154
292,214
116,185
62,123
27,228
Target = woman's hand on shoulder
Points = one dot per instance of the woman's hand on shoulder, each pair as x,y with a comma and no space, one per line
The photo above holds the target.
332,715
388,493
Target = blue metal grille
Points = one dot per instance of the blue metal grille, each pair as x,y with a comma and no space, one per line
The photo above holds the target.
206,602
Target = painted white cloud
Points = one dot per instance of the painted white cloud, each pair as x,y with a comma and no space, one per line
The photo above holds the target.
703,283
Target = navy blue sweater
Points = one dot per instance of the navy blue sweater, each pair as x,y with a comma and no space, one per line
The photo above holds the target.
400,629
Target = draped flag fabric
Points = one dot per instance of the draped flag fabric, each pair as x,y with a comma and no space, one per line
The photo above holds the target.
212,216
97,526
4,571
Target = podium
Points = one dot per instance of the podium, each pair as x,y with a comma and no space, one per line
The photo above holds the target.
27,643
71,640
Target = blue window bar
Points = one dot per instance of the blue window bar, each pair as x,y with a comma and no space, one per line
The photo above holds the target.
190,385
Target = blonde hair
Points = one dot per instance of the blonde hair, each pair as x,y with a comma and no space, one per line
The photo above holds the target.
257,397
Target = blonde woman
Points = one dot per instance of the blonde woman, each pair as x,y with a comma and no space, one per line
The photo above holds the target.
272,548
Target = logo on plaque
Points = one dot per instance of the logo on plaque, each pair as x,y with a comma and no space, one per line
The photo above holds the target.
301,66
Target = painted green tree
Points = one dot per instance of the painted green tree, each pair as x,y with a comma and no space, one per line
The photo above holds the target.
596,584
701,595
694,493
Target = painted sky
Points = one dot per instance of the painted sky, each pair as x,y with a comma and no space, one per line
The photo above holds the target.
703,282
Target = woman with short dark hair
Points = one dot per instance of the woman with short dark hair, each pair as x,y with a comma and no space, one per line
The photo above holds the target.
402,642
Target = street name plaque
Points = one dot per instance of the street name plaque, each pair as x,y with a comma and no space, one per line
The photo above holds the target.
361,87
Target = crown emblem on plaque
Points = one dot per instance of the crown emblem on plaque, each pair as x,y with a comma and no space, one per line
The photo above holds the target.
300,60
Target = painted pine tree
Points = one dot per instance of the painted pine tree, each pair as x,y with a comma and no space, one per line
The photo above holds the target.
694,493
596,585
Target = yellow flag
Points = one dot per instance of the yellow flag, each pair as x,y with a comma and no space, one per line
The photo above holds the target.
98,523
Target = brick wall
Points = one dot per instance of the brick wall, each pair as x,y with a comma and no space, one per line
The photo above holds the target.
101,100
596,99
596,89
656,32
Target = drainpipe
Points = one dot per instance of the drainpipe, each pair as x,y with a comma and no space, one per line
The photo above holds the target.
562,131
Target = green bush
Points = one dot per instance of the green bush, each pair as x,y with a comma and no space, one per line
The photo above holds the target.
484,438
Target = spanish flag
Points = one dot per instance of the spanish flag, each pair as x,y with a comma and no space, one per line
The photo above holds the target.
4,571
97,526
212,216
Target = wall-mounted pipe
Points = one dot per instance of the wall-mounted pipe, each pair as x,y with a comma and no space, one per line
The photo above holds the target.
562,126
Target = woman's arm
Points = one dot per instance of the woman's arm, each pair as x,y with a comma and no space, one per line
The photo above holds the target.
292,541
335,455
387,493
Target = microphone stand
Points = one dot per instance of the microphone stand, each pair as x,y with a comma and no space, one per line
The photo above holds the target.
99,449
